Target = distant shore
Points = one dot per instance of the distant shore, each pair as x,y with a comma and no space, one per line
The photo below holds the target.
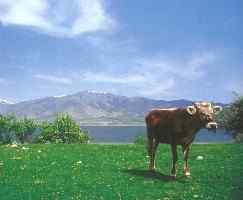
131,143
118,125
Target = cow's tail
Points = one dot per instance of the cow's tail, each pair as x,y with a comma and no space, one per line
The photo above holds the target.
149,134
148,125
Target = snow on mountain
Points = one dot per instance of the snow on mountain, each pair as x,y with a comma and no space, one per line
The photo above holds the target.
4,101
60,96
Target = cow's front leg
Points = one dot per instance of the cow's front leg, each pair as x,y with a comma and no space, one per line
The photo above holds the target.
185,149
152,146
174,159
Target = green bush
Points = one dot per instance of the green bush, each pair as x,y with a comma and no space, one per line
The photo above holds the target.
62,130
140,140
24,129
6,134
13,129
239,138
47,133
231,118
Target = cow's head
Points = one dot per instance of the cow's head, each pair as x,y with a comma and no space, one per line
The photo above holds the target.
205,111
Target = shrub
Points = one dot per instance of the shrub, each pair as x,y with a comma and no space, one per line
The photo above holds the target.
6,134
62,130
47,133
239,138
140,140
24,129
231,118
3,128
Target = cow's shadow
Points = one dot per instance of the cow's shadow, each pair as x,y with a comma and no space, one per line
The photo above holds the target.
152,175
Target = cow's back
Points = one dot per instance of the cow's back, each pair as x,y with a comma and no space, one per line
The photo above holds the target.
165,124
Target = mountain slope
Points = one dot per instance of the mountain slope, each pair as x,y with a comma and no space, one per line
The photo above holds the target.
91,108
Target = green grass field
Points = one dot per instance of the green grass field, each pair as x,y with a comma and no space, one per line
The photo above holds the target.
118,172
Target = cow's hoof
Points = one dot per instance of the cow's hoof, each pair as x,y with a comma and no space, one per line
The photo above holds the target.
173,176
152,169
187,174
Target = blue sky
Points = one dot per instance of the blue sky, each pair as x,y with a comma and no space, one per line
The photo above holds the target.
157,49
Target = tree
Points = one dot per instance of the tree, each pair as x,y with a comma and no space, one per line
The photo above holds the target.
62,130
23,128
6,134
69,130
231,118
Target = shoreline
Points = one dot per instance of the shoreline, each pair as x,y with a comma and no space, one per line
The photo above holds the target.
130,143
113,125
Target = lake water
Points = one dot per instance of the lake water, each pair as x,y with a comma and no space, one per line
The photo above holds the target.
126,134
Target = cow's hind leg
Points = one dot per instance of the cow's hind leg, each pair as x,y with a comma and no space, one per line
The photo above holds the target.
152,146
174,160
185,149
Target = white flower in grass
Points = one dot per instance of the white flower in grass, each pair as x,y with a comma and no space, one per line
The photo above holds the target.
79,162
199,158
14,145
25,148
39,151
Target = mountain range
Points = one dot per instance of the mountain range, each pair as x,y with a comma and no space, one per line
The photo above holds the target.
90,108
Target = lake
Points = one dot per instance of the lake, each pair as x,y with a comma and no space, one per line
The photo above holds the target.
126,134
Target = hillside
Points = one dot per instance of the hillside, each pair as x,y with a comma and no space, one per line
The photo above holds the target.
91,107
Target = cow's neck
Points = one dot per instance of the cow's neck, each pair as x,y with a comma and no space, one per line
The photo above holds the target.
195,125
197,122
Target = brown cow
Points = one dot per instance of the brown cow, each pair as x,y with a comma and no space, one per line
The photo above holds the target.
178,126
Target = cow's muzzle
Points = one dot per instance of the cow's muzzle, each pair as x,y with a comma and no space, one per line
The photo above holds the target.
212,126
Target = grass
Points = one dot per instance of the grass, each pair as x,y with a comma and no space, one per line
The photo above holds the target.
118,172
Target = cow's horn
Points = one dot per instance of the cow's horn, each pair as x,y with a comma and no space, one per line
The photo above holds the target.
191,110
217,108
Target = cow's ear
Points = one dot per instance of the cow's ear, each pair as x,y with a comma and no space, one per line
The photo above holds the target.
196,104
191,110
217,109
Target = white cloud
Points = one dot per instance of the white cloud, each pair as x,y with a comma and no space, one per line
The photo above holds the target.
158,89
112,78
65,18
196,66
191,68
145,84
155,77
54,79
